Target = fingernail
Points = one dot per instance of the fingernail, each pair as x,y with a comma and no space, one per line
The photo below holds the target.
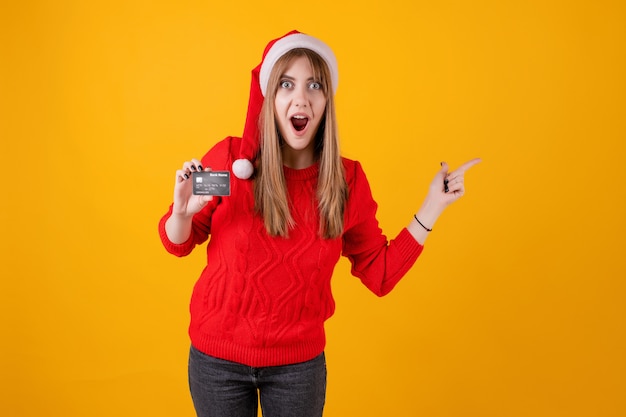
200,167
193,168
186,176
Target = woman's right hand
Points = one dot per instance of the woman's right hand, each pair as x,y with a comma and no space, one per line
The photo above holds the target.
186,204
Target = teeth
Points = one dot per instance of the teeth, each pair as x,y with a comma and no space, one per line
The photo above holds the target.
298,116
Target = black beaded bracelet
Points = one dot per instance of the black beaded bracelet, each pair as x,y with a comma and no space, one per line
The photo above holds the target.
417,220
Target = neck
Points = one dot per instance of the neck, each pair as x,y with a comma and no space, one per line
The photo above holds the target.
298,159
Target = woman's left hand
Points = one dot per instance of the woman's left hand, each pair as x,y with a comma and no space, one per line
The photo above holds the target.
446,188
450,186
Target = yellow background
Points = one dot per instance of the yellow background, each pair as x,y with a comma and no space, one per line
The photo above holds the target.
517,307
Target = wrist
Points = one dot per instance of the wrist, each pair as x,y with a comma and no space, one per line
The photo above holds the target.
182,214
180,218
428,229
428,214
178,228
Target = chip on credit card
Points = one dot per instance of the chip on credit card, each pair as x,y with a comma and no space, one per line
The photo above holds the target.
211,183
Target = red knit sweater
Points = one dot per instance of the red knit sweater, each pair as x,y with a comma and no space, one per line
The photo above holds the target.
262,300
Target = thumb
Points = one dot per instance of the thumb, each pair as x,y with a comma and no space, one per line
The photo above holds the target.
441,177
444,169
204,200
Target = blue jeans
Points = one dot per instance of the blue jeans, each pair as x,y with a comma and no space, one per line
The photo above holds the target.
221,388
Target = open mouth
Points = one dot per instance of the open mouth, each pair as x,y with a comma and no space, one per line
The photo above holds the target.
299,122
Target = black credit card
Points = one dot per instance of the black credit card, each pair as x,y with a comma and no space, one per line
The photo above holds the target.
211,183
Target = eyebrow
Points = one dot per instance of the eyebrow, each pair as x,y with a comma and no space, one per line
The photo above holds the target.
293,79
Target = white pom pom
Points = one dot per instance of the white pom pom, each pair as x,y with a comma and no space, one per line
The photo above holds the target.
243,169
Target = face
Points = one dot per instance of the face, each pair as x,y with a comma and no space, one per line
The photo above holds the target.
299,107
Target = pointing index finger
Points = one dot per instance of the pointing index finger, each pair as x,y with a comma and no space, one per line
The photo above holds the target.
468,165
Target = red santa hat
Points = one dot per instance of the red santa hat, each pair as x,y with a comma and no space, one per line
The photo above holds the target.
243,167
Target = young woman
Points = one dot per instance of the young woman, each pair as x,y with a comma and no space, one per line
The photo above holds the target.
259,306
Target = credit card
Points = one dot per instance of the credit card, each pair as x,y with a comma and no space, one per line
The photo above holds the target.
211,183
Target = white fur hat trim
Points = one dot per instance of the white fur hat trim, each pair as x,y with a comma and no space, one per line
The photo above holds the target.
297,40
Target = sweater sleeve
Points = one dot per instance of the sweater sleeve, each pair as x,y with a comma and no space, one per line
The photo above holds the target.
217,158
379,263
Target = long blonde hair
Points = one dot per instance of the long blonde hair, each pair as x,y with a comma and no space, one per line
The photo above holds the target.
270,190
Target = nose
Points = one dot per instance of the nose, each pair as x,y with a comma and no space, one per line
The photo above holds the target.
300,97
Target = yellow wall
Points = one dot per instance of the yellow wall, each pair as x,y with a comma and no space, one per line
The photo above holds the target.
517,307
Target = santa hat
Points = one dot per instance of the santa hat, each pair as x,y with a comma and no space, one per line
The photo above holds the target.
243,167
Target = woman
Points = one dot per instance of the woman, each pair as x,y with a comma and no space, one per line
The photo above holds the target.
259,306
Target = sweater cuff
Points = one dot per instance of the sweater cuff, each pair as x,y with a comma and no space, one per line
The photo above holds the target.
178,249
407,245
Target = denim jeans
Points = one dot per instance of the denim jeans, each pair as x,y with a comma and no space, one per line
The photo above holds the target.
221,388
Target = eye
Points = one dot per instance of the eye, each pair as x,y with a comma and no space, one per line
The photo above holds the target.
315,86
286,84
